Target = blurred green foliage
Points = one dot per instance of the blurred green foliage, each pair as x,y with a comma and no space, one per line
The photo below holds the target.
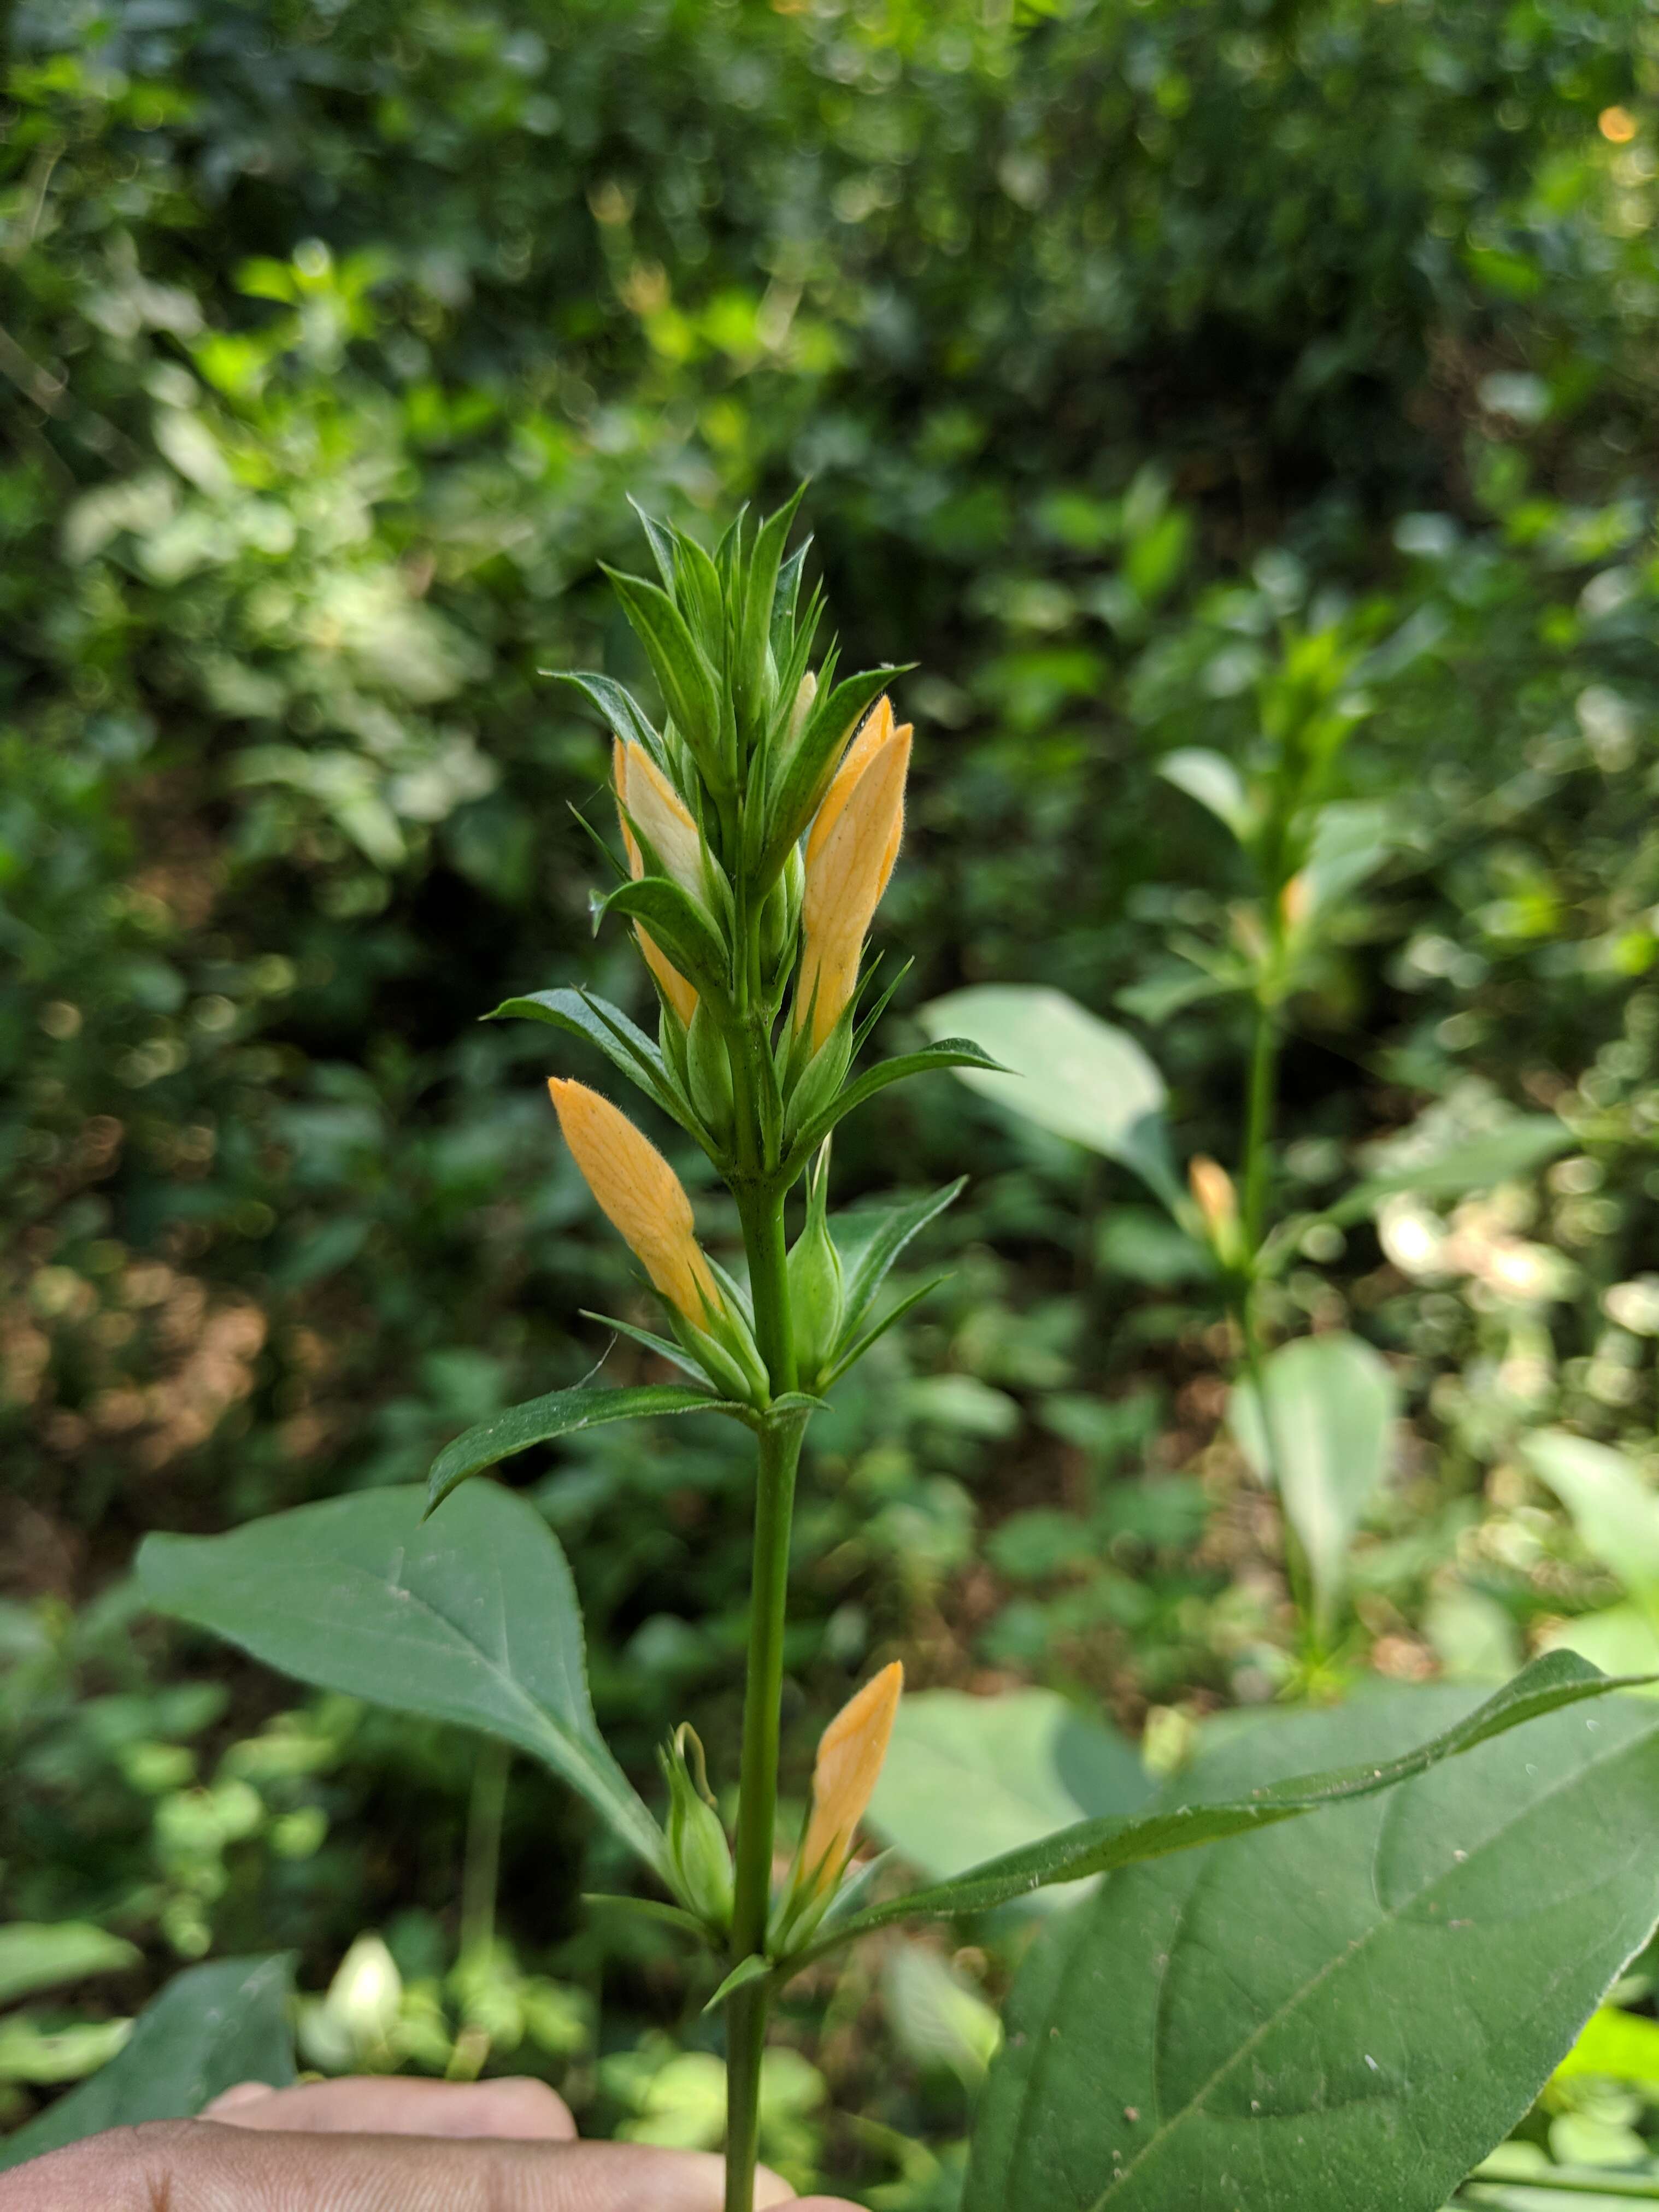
1124,343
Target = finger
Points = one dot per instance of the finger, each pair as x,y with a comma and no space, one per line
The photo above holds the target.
204,2166
515,2109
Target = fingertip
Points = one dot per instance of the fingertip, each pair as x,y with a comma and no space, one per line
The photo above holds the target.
771,2189
228,2100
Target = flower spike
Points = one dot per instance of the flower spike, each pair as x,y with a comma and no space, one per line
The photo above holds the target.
851,1751
850,852
642,1196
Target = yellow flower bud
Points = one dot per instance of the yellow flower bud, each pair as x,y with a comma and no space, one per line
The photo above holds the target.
645,794
850,852
1296,901
850,1754
641,1195
1213,1193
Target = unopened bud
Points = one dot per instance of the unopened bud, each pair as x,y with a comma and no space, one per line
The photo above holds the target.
807,692
816,1290
1217,1201
1296,901
698,1853
780,914
708,1073
819,1081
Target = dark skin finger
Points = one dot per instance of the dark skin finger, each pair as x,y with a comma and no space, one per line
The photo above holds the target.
377,2145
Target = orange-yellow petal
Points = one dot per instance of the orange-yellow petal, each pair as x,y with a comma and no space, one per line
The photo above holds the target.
849,859
640,1193
644,793
850,1754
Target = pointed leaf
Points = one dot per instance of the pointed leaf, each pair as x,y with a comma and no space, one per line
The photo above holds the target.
211,2027
651,1908
1615,1513
1332,1404
805,774
39,1955
754,1968
1515,1150
870,1243
683,676
1067,1071
1347,2012
682,926
472,1619
850,1354
1558,1679
560,1413
949,1052
626,718
1215,783
969,1777
623,1043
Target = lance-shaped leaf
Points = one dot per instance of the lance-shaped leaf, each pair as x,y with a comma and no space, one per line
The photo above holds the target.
1558,1679
471,1619
1323,1439
754,622
1516,1149
211,2027
869,1244
1215,783
560,1413
1349,2012
621,710
44,1955
683,676
1068,1071
1615,1513
804,774
681,925
949,1052
623,1043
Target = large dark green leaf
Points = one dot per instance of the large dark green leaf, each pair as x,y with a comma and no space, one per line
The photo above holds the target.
1349,2012
1547,1685
1067,1070
471,1619
211,2027
969,1777
560,1413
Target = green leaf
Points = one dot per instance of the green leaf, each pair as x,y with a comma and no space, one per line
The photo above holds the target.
1332,1404
949,1052
650,1908
1509,1153
683,676
1215,783
804,775
599,1023
682,926
967,1777
1615,1513
560,1413
1351,840
1560,1679
870,1243
34,1955
472,1619
1068,1071
626,718
211,2027
1349,2012
754,1968
1622,2046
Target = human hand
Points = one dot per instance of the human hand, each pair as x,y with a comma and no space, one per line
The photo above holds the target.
378,2145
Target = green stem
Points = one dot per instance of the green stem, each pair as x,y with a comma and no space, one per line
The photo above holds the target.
481,1874
1258,1127
762,1212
